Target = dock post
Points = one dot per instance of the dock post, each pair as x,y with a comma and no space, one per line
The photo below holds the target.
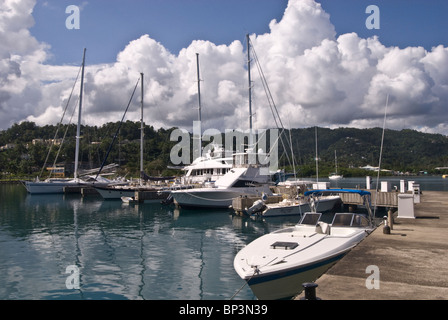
386,228
390,219
310,291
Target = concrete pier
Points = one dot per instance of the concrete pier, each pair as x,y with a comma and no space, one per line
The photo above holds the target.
410,263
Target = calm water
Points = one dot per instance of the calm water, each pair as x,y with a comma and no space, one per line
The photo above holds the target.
147,251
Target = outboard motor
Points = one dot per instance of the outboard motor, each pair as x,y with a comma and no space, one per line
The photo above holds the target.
258,206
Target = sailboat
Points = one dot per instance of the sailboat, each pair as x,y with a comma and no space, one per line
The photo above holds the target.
126,192
58,185
335,175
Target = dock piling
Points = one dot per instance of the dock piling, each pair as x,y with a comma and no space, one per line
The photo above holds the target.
310,291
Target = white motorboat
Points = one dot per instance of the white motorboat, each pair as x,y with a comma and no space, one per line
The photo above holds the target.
289,207
335,176
277,264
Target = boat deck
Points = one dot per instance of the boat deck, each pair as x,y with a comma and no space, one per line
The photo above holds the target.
409,263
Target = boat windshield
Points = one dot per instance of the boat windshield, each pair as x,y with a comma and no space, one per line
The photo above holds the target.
310,218
349,220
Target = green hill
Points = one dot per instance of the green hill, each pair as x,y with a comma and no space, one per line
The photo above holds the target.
405,151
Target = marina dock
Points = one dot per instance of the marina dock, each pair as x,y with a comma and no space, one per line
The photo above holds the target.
410,263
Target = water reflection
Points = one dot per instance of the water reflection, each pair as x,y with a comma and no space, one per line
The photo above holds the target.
124,251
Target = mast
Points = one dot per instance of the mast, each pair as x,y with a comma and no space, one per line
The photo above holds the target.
199,107
250,82
335,161
78,128
141,131
317,157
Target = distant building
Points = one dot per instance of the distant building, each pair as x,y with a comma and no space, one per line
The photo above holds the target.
58,172
56,142
7,146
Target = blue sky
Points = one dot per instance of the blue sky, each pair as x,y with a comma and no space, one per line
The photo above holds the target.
323,65
106,27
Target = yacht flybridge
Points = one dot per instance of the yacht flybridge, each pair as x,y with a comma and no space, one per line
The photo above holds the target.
277,264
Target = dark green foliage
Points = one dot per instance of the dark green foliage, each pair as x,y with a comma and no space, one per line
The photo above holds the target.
405,150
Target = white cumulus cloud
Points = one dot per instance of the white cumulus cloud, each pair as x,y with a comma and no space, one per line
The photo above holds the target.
315,77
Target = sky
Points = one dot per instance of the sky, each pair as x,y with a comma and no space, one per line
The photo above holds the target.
324,63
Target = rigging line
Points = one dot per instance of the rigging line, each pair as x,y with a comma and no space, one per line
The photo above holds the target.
60,122
65,134
118,129
270,99
381,154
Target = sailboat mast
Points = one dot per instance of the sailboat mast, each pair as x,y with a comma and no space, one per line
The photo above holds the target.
317,157
250,83
78,128
141,129
199,107
336,161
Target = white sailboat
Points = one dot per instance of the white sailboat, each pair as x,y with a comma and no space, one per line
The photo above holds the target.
57,185
277,264
126,192
335,175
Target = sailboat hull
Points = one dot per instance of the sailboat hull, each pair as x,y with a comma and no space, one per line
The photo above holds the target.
48,187
115,193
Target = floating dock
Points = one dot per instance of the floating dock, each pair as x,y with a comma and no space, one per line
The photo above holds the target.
410,263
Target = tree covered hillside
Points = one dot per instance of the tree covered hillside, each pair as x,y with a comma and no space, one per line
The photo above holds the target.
24,149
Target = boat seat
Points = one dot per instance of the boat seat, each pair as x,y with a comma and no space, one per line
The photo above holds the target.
323,228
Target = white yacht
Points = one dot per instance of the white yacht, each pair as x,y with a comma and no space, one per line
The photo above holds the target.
207,168
277,264
242,179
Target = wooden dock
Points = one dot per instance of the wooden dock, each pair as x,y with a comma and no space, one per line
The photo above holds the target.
410,262
380,199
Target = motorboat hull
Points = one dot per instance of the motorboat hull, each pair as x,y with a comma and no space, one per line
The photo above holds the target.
290,209
287,284
276,265
213,197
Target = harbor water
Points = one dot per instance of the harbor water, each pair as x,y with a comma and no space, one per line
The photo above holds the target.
72,247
